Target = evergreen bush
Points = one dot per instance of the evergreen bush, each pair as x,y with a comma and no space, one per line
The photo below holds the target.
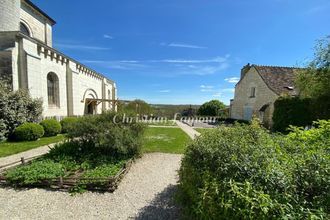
51,126
28,132
293,111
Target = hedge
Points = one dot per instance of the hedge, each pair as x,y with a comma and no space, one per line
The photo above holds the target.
243,172
51,126
28,132
292,111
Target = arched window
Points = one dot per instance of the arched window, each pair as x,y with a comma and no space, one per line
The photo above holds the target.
24,29
53,90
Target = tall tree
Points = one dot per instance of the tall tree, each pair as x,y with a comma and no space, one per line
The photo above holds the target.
314,81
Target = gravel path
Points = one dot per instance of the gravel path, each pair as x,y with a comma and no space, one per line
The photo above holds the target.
192,133
146,192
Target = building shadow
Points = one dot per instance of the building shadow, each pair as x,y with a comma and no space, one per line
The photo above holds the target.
162,207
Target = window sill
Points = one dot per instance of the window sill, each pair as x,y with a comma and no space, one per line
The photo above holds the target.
54,107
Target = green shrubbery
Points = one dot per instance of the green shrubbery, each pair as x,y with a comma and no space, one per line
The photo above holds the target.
243,172
28,132
101,130
67,124
98,148
16,108
51,127
291,111
35,172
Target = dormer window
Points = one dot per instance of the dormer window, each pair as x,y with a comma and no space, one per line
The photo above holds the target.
253,92
25,30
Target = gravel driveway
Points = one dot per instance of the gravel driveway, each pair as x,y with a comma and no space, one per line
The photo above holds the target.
146,192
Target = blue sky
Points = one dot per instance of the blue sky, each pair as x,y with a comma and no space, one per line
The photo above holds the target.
185,51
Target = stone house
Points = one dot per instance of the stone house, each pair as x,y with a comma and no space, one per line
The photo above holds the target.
259,87
28,61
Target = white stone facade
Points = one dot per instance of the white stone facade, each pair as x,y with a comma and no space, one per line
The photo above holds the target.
28,60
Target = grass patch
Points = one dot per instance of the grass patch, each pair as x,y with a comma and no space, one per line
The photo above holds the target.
203,130
162,123
165,140
8,148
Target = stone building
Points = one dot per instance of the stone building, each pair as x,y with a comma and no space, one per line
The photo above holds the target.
259,87
27,59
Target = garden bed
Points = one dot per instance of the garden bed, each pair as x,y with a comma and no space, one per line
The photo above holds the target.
60,169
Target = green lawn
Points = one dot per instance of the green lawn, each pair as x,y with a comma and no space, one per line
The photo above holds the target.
165,140
163,123
10,148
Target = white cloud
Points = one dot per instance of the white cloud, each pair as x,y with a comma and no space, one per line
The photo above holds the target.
206,88
218,94
164,91
116,64
213,60
232,79
108,36
170,67
183,45
228,90
79,47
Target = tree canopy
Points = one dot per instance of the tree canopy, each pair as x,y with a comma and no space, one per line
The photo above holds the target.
314,81
212,108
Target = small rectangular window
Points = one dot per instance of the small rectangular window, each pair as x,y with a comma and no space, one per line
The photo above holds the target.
253,92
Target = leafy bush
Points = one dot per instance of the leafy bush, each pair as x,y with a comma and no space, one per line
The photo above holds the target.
213,108
51,127
120,138
28,132
16,108
35,172
3,130
291,111
243,172
67,124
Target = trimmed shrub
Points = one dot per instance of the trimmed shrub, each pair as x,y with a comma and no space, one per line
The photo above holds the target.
291,111
67,124
51,127
101,131
243,172
28,132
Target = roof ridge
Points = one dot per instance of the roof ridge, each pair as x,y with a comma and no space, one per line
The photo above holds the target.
271,66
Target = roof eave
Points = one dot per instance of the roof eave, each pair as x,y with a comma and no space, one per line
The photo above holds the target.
31,4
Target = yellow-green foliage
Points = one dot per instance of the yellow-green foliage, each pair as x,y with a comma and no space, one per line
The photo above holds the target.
243,172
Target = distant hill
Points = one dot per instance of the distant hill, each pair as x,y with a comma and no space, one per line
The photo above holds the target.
163,110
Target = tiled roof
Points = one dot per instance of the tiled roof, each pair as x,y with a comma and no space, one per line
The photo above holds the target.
279,79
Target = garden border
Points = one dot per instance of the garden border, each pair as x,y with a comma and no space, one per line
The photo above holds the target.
109,184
